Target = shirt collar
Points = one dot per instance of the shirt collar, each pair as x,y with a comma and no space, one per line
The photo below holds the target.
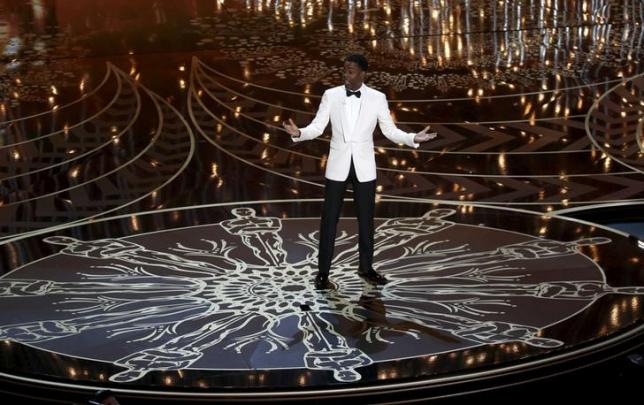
361,89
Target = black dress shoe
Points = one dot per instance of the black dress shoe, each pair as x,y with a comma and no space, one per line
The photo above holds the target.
322,282
373,277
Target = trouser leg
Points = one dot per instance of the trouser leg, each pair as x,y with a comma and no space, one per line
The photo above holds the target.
364,197
333,198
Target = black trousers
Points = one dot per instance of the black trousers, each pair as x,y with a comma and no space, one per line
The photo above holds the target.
364,197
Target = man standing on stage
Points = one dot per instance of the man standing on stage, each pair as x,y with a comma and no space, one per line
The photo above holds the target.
354,109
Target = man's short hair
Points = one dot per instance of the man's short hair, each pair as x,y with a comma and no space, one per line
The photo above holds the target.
358,59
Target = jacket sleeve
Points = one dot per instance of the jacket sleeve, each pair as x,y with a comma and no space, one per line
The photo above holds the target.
389,129
316,127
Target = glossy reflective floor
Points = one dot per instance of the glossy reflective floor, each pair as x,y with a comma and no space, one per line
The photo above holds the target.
159,230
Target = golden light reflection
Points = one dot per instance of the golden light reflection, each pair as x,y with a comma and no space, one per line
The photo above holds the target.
614,315
134,222
74,172
502,163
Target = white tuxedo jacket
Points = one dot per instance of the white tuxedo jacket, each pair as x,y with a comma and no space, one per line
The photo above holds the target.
358,144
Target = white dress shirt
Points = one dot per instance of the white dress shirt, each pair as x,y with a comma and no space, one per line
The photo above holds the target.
352,109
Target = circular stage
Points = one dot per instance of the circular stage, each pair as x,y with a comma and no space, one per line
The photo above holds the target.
218,301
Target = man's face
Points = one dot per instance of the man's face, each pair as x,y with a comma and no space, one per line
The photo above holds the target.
353,75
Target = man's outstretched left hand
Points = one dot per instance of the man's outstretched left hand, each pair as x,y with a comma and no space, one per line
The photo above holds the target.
424,136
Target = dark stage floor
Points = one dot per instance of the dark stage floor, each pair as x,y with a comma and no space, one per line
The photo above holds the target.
158,229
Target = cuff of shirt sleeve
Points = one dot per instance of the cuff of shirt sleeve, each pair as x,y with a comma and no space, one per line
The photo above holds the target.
413,144
297,138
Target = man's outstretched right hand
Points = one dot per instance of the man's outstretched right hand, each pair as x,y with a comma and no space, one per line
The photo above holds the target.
291,128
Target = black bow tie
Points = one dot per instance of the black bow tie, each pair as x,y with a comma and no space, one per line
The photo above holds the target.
353,93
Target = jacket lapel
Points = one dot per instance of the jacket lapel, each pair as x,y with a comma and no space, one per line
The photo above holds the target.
343,116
